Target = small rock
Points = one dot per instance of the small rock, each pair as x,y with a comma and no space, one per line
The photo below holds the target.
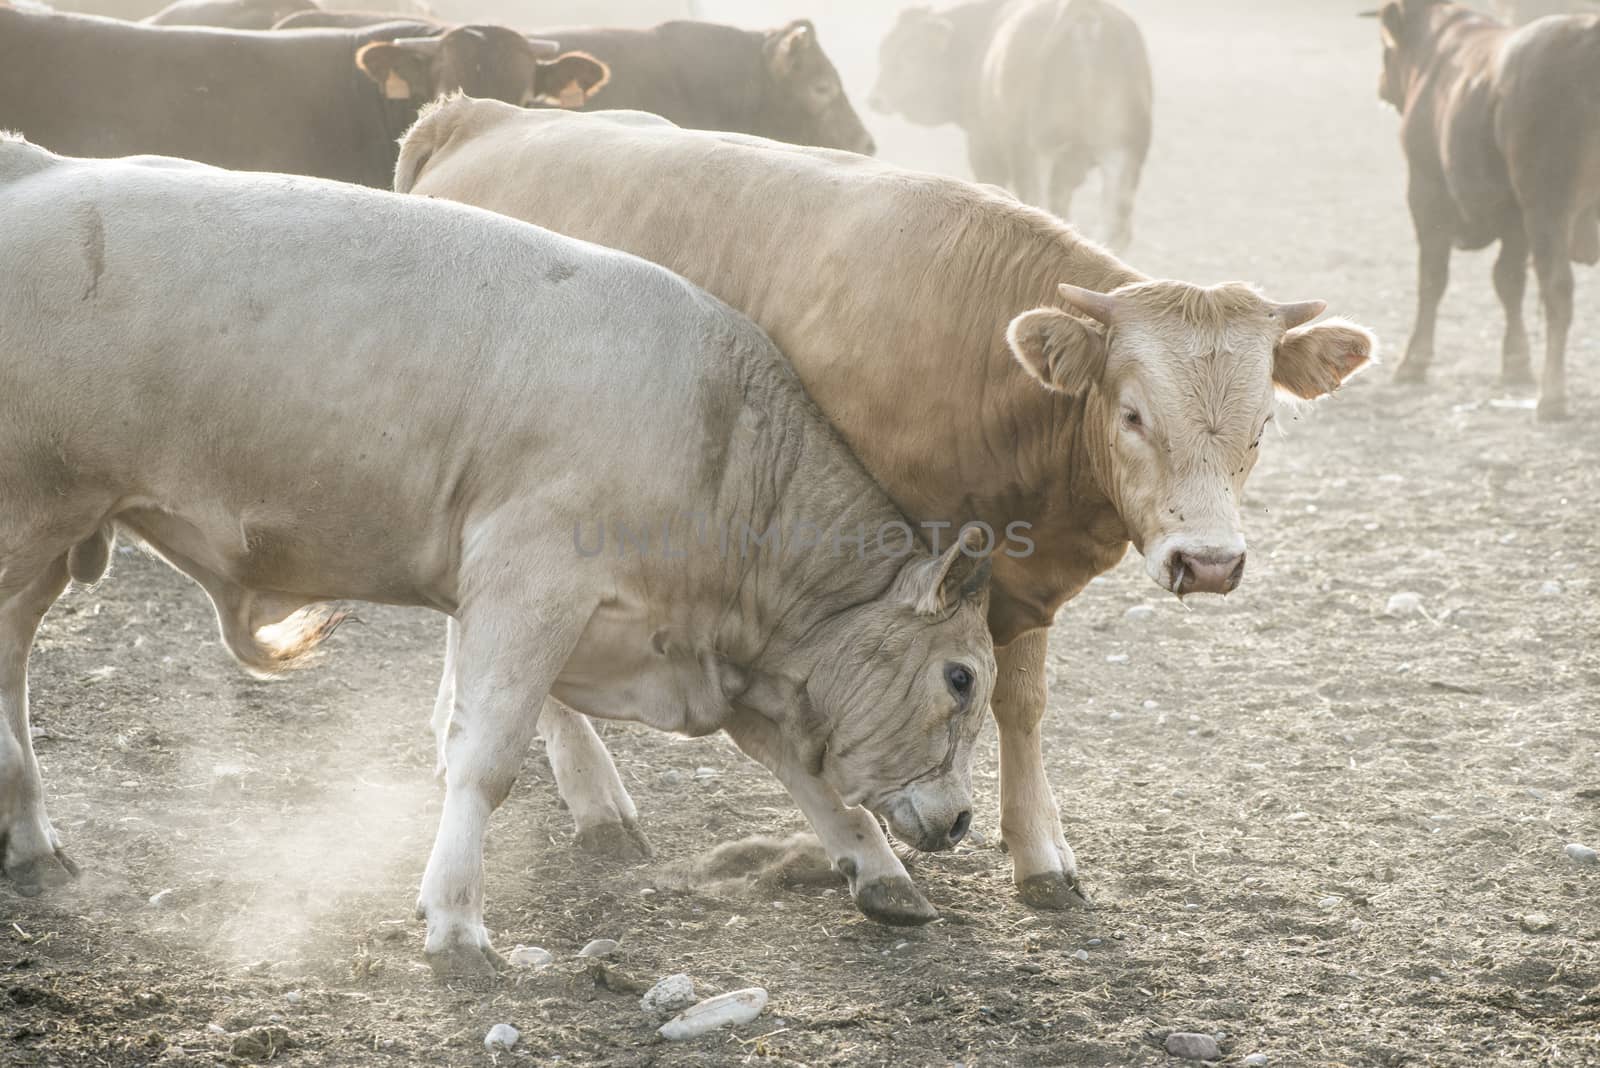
531,957
1329,902
501,1036
1117,658
1082,956
671,995
1256,1060
705,774
1550,588
1095,942
1582,854
162,898
1151,705
724,1010
1536,922
216,1029
1297,817
1403,605
261,1043
600,947
1139,613
672,777
293,997
1192,1046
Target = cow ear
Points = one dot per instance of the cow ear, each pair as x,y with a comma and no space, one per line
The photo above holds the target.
1065,353
785,47
400,68
569,80
1391,23
960,573
1312,361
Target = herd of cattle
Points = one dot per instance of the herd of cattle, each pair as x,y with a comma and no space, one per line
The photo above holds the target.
298,391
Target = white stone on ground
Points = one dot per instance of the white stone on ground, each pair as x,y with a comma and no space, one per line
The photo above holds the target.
1139,613
1582,854
1193,1046
501,1036
1404,605
1256,1060
724,1010
671,995
531,957
600,947
1535,922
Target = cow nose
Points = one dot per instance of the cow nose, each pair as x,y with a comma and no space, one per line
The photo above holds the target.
958,829
1205,572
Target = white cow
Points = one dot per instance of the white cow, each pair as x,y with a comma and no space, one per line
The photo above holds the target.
295,391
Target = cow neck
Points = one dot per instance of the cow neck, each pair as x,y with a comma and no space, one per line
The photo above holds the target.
789,471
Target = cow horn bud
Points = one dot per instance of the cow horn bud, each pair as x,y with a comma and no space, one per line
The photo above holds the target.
1301,311
1101,307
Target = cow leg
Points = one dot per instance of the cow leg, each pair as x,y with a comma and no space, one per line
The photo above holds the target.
445,700
606,819
852,838
1510,282
1119,181
1435,235
1067,171
1042,865
989,164
30,851
1551,242
506,664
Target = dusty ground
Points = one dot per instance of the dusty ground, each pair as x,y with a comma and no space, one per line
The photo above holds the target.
1307,826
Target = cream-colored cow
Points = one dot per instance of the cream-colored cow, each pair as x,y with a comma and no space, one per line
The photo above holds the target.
296,390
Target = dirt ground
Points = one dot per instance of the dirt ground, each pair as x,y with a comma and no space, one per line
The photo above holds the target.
1310,828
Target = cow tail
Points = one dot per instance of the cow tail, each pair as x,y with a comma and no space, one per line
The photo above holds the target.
87,561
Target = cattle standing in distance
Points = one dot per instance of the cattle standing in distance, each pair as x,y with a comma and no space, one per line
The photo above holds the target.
776,83
1046,90
1133,416
230,14
415,457
1501,131
330,104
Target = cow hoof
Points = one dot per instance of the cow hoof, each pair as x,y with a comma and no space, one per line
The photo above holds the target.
1052,890
1411,373
1552,410
616,841
895,901
49,872
460,962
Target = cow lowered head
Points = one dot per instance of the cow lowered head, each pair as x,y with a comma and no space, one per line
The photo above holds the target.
917,69
807,104
491,62
1178,382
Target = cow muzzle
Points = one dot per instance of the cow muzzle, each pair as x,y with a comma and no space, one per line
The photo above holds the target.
1204,572
930,824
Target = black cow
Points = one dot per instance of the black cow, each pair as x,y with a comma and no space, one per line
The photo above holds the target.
1501,129
328,103
778,83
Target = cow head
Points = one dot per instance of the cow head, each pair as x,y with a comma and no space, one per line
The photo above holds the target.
1405,26
491,62
915,77
1178,383
898,696
806,99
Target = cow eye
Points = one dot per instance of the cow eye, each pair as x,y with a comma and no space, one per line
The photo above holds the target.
959,678
1132,419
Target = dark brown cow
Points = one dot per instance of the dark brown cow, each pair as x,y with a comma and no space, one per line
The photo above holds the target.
229,14
705,76
293,102
1046,91
1501,129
